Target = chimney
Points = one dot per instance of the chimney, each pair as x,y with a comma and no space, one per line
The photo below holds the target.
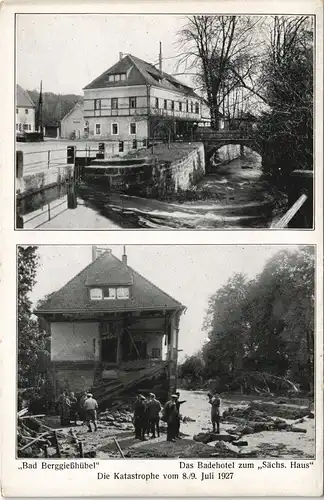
121,55
98,250
124,257
160,59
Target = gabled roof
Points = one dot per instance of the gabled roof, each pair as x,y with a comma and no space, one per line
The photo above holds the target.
77,105
139,72
23,99
107,270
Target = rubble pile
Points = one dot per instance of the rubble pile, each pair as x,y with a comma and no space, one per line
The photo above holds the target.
255,418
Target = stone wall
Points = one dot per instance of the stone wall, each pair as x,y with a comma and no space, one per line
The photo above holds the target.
165,178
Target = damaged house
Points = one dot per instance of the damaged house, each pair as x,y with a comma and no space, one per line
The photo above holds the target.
112,330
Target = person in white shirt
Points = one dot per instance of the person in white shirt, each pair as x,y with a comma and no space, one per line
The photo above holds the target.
90,406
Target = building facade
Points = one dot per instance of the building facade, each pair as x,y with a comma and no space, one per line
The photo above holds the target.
110,323
135,100
25,111
73,123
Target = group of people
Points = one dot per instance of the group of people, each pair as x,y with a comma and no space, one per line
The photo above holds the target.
70,409
149,411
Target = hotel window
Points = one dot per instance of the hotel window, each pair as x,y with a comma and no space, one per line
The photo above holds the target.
17,126
156,352
111,78
114,129
187,106
109,293
98,129
123,293
132,128
97,104
132,102
17,111
180,106
114,103
26,111
25,126
117,78
165,104
157,103
197,108
191,107
123,76
96,294
29,127
172,105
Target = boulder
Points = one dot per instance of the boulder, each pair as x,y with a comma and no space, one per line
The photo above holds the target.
208,437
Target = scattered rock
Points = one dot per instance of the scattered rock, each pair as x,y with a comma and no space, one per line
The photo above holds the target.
240,443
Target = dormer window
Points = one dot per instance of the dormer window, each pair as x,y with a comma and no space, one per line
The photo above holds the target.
96,294
110,293
117,77
123,293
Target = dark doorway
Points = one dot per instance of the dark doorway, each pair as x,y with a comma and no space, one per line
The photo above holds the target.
109,350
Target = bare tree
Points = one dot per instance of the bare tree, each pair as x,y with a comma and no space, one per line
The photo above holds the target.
221,48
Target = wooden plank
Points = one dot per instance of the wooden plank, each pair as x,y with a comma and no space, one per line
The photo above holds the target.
119,448
33,441
284,221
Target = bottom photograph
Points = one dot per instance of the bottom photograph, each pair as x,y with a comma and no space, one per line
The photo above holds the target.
165,351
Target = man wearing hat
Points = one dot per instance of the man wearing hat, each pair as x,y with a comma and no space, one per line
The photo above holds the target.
90,406
139,417
170,416
153,411
178,403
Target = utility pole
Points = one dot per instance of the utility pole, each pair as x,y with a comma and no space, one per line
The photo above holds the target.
160,59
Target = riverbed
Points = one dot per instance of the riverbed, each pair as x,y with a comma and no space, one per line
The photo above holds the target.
196,419
233,195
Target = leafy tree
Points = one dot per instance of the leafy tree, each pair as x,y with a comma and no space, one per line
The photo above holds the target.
192,368
265,326
33,353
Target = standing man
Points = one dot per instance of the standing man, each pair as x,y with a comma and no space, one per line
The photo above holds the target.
64,408
215,402
81,406
139,417
73,408
178,403
153,410
91,406
170,417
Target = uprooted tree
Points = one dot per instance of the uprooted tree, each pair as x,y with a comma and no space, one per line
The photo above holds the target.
261,331
33,351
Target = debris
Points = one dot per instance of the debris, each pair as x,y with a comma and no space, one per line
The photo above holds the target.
119,448
208,437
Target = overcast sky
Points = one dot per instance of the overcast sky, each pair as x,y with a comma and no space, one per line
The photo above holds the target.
68,51
190,274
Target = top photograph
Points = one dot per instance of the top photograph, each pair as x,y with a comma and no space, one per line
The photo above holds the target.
159,122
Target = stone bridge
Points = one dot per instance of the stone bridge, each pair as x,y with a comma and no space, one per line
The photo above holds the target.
215,139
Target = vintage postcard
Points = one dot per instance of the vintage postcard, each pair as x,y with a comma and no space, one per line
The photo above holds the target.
162,249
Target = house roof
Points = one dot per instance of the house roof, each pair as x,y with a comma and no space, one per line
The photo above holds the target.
77,105
107,270
139,72
23,99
